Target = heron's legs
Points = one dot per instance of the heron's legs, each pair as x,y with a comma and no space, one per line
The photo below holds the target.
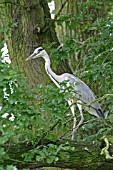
81,120
70,102
74,121
74,127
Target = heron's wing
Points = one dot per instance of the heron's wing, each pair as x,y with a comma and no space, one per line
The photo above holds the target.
85,94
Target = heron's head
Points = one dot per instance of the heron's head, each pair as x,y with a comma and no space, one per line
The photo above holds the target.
38,52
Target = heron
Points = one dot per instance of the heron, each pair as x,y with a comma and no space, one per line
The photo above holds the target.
81,92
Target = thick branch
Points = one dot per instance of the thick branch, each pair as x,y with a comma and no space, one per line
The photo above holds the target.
83,156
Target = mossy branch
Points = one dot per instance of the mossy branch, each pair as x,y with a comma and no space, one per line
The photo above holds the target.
94,101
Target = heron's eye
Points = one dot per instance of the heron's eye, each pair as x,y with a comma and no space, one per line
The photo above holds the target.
40,49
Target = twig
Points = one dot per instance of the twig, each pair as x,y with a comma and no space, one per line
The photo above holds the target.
109,50
100,98
94,101
15,160
45,28
50,129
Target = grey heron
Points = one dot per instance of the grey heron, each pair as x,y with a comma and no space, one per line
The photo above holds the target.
84,96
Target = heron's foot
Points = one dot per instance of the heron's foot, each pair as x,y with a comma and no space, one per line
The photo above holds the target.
74,134
76,128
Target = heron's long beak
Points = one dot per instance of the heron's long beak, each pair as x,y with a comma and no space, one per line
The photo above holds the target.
30,57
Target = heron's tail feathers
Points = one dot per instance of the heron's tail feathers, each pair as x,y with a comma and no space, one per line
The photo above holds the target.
100,113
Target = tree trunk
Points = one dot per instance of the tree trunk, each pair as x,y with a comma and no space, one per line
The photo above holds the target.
32,29
74,10
65,8
83,157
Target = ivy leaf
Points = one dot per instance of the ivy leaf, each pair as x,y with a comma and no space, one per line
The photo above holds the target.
110,117
38,158
51,159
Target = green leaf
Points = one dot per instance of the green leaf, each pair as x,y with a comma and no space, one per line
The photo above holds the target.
11,167
38,158
110,117
51,159
88,126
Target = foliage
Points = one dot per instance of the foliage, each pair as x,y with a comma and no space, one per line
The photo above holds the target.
50,153
22,119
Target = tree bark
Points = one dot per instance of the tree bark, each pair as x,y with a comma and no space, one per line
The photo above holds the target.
84,156
30,19
73,10
65,7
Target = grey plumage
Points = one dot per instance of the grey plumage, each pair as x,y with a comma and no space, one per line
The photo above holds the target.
83,94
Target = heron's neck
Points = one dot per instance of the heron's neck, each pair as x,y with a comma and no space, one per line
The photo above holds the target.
55,78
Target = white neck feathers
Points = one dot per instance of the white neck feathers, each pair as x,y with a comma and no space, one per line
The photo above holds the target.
55,78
